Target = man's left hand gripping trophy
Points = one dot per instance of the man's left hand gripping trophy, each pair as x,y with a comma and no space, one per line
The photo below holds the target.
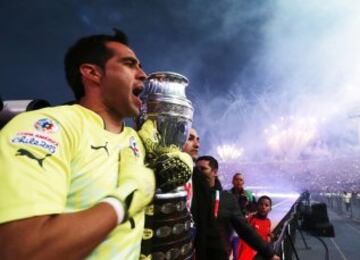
172,167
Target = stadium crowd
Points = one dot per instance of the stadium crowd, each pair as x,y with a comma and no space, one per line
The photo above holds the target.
335,174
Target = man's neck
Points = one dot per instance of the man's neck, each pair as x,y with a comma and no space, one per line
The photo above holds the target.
112,123
258,215
211,182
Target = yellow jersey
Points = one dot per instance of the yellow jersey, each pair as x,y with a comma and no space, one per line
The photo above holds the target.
60,160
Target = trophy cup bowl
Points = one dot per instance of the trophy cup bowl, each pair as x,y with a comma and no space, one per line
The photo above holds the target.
165,101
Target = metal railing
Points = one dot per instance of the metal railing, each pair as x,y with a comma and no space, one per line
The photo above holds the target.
285,232
289,227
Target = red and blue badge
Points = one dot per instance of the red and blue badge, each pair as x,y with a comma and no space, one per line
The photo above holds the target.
133,146
46,125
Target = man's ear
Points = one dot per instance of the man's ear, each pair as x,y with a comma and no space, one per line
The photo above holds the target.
215,171
91,72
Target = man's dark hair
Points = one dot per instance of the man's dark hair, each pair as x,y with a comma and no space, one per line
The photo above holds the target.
264,197
213,163
237,174
91,49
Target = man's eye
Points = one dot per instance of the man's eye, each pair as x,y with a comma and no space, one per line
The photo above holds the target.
130,64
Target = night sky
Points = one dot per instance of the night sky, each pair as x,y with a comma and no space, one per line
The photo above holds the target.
248,62
193,38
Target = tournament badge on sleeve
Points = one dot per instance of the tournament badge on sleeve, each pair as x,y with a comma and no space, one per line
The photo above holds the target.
39,138
46,125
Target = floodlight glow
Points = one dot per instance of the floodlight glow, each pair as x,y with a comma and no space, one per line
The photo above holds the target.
229,152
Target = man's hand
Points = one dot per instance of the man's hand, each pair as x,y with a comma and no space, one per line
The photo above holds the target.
136,184
173,168
151,140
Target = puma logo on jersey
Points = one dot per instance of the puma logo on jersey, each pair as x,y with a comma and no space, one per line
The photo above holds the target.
24,152
101,147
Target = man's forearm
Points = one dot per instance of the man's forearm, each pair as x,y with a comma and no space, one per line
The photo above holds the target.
251,237
63,236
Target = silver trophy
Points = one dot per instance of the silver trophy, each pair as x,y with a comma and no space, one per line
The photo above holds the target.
168,219
165,101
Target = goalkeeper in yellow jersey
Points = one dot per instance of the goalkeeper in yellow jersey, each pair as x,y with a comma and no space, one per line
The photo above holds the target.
74,183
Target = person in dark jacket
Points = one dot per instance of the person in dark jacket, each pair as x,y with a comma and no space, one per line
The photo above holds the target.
245,198
216,214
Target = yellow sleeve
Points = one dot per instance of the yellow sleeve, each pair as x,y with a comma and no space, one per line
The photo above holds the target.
35,157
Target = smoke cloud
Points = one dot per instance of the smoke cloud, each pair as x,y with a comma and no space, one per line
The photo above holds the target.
276,80
305,68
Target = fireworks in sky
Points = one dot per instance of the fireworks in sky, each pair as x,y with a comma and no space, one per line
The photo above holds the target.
291,136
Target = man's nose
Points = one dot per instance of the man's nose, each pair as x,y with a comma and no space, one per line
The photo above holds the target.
142,75
197,144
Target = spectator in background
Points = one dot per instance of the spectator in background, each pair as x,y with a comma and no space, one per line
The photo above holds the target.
192,144
216,214
358,195
261,223
245,198
246,201
191,147
347,200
